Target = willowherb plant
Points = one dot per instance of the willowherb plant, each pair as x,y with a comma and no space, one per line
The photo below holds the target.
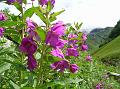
46,49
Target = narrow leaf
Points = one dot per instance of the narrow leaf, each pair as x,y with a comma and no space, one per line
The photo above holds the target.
28,13
53,15
14,85
41,33
9,23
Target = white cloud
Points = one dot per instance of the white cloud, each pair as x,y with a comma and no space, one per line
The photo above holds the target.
93,13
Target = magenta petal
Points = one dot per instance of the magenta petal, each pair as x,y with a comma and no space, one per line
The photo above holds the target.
52,39
84,47
32,64
72,52
1,31
59,28
45,2
89,58
10,1
98,86
71,35
28,46
61,43
30,24
2,16
60,65
74,68
84,37
58,53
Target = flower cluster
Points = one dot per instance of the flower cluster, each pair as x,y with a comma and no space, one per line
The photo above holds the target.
28,45
2,18
64,64
55,40
64,46
84,46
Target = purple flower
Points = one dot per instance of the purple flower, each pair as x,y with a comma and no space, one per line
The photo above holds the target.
58,28
45,2
28,46
99,86
30,25
19,1
61,43
84,47
84,37
72,43
34,35
72,52
52,2
72,40
89,58
1,31
31,29
60,65
74,68
32,63
2,16
57,53
13,1
52,39
10,1
71,35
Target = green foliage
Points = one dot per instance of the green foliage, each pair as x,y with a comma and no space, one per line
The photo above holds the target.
28,13
116,31
109,51
14,71
41,33
9,23
54,15
98,37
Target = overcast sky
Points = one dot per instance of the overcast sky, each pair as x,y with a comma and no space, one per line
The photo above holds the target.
93,13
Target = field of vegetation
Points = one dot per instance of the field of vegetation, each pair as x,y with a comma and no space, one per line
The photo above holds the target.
55,55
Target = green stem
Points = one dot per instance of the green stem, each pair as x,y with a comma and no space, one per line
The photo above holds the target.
40,69
41,72
22,57
23,30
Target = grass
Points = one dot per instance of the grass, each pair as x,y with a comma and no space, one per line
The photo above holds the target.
109,50
96,72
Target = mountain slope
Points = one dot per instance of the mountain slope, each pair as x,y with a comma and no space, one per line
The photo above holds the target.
110,51
97,37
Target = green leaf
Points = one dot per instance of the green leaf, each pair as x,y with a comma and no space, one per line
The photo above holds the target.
9,23
4,67
37,56
73,80
40,14
18,6
41,33
14,85
27,88
28,13
53,15
25,1
10,31
49,6
53,59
